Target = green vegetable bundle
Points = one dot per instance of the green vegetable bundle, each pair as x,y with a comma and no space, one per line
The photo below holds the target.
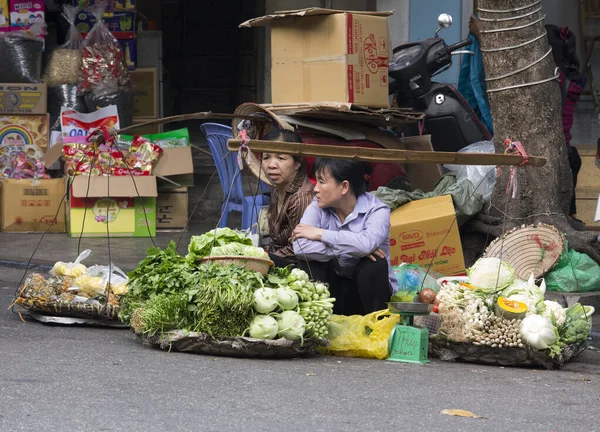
222,242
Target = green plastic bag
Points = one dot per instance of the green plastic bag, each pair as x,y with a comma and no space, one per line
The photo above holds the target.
574,272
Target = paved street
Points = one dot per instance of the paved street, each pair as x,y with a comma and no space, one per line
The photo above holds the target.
92,379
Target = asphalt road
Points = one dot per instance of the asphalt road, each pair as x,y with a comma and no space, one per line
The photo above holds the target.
91,379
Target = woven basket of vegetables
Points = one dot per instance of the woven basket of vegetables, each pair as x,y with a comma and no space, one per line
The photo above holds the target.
202,343
448,350
260,265
67,309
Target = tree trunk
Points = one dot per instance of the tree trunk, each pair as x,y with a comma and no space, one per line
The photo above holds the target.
532,115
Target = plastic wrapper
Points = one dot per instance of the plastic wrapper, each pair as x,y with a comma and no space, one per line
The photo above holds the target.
121,97
103,62
25,167
483,177
73,269
21,54
83,158
60,96
171,139
411,279
361,336
65,62
76,124
142,156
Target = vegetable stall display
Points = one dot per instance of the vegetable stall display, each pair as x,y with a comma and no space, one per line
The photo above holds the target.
187,304
495,318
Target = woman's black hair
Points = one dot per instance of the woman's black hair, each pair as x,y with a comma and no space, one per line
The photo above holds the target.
356,173
284,135
564,49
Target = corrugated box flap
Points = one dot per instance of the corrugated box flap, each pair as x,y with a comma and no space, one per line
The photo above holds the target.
429,208
264,20
174,161
114,186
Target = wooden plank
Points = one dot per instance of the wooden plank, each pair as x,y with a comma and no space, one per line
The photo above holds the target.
384,155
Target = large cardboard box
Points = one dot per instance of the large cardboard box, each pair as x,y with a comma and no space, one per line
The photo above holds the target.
23,98
325,55
32,205
145,93
425,232
172,209
100,206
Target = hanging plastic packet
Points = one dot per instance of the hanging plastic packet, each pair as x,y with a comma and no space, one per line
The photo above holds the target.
142,156
102,57
65,62
73,269
75,124
21,54
97,278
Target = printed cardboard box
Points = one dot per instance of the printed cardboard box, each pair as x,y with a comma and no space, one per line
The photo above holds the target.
24,130
424,232
145,93
23,98
129,47
120,24
324,55
4,16
25,13
111,5
172,209
100,206
32,205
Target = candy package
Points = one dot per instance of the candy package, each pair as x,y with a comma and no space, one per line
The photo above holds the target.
102,57
74,124
25,167
82,157
142,156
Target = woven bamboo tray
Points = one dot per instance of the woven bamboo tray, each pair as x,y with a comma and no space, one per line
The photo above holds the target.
70,310
260,265
447,350
529,249
202,343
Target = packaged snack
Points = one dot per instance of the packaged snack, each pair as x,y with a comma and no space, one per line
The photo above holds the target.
142,156
75,124
102,58
21,54
4,16
26,13
65,62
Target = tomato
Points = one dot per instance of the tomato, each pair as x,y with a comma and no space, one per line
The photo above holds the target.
436,309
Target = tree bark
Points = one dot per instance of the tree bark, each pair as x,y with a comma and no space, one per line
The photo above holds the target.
531,115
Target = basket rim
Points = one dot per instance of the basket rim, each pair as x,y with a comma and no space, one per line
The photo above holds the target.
236,257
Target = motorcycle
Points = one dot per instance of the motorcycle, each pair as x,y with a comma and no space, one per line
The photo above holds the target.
449,119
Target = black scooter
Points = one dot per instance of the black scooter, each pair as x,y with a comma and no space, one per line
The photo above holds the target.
449,119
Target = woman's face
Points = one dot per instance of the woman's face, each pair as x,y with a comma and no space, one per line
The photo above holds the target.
280,168
328,191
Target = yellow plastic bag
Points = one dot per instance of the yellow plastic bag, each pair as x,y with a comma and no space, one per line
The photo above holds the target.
361,336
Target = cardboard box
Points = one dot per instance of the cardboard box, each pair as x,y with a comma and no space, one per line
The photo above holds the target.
424,232
120,206
33,205
23,98
172,209
129,48
145,93
120,24
146,130
111,5
320,55
4,16
25,130
25,13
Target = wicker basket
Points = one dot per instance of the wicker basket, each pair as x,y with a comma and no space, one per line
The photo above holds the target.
74,310
260,265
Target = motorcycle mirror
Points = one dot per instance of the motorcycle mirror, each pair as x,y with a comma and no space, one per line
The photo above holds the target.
444,21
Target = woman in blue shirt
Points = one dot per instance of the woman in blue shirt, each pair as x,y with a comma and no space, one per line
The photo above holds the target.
344,238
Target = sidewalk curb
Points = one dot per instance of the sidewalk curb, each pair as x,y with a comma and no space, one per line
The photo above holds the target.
23,265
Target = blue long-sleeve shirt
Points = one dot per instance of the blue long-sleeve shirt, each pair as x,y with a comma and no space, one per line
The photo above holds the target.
364,230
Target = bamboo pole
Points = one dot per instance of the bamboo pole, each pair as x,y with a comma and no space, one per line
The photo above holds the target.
184,117
384,155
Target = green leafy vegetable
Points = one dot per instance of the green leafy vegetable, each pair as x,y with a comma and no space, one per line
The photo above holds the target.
200,246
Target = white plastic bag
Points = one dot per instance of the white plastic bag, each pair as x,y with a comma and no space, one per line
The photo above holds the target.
483,177
74,123
73,269
97,278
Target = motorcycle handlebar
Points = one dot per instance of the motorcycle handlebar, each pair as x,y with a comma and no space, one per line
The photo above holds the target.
460,44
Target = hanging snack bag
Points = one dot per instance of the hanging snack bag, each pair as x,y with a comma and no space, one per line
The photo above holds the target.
65,63
142,156
74,123
102,57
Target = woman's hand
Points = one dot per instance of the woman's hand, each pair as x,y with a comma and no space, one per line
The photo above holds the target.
308,232
377,253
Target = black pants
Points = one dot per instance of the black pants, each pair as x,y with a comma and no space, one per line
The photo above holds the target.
367,291
280,261
575,164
